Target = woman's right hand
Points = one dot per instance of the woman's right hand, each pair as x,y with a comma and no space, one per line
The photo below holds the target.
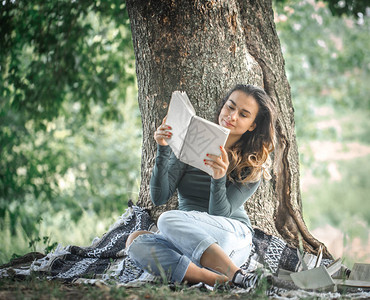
163,133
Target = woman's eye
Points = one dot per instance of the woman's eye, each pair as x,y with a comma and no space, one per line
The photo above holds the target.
230,107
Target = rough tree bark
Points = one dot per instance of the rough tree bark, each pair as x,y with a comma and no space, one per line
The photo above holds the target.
204,48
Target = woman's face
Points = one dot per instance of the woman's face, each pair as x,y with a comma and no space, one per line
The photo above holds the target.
238,114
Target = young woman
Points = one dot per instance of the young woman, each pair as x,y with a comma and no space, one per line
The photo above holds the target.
210,235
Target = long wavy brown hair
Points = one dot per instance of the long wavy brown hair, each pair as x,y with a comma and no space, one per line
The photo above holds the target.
249,154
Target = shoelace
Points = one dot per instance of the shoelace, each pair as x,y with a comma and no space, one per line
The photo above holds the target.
248,280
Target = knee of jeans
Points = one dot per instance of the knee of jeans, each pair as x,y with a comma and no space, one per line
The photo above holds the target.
134,235
137,248
169,221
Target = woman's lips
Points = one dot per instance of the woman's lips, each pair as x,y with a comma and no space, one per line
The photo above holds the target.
228,124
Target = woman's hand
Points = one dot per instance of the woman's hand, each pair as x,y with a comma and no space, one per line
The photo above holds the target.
163,133
219,164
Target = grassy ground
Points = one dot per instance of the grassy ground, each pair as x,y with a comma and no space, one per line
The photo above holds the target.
33,288
43,289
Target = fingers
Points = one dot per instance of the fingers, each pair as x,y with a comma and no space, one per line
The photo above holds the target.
215,164
219,164
224,155
219,169
221,158
163,133
164,128
215,158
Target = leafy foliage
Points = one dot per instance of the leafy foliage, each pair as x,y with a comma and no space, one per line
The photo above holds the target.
329,71
348,7
56,48
326,62
70,131
355,8
65,69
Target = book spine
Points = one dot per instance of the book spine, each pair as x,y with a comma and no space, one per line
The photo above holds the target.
184,140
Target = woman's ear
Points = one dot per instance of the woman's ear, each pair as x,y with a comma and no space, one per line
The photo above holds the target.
253,127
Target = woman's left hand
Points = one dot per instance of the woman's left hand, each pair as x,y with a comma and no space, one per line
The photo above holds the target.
219,164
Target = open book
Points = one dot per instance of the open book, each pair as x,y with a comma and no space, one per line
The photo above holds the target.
192,136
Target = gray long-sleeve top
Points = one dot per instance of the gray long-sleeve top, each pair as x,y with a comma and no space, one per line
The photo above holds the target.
196,189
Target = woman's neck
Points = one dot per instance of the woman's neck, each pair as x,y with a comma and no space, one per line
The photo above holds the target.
231,140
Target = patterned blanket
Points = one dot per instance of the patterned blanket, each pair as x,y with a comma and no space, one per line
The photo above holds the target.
106,259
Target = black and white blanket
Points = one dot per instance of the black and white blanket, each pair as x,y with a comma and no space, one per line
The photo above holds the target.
106,260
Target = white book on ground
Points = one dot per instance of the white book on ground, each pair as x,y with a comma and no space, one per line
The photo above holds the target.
192,136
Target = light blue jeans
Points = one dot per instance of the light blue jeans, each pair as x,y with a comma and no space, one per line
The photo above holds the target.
183,237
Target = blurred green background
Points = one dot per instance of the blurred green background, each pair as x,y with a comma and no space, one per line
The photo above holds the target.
70,127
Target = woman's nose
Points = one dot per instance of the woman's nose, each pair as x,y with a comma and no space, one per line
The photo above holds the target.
233,115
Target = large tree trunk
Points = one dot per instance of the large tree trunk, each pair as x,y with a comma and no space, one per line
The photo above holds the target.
204,48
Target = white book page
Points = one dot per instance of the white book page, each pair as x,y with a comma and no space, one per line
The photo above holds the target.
180,113
203,137
185,99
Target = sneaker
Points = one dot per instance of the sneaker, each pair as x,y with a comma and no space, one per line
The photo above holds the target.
249,280
222,287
